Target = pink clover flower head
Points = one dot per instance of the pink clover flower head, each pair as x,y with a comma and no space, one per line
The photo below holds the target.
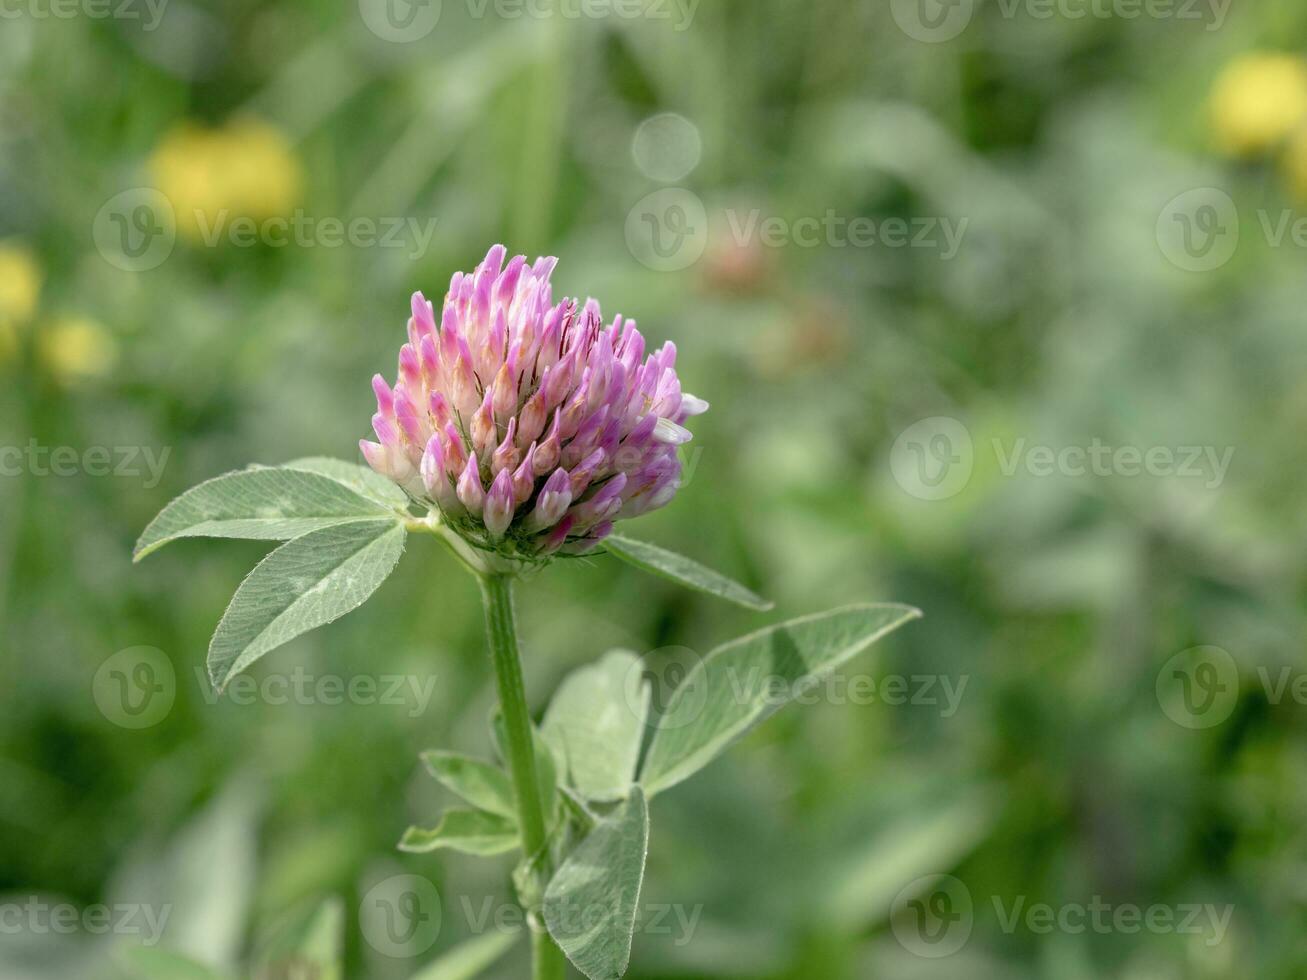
529,425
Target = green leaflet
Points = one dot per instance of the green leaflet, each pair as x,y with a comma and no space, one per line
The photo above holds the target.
736,685
683,571
591,903
363,480
468,831
262,503
307,582
596,723
485,786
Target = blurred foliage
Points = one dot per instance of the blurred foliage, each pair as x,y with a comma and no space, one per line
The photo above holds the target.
1056,599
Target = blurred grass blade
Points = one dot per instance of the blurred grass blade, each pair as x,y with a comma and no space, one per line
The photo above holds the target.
591,904
485,786
264,503
683,571
466,831
154,963
305,944
306,583
469,959
595,725
363,480
736,686
858,891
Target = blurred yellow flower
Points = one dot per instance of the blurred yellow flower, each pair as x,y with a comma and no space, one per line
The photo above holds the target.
75,348
212,176
20,282
1258,101
1295,164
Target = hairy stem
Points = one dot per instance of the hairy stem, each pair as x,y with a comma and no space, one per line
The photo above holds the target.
497,595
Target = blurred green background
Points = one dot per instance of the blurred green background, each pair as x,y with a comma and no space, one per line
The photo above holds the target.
1125,181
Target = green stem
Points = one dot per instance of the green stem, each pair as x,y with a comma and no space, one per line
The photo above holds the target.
497,594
